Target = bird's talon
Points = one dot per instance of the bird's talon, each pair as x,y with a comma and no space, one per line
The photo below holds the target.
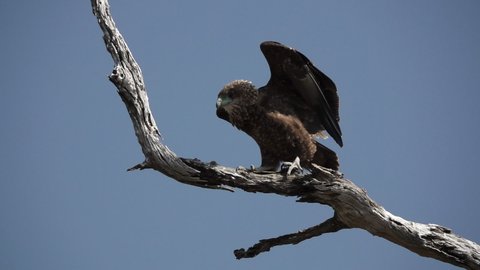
240,168
291,166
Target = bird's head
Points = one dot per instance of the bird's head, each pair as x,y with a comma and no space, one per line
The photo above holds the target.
235,96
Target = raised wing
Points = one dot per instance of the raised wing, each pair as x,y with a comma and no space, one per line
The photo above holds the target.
290,68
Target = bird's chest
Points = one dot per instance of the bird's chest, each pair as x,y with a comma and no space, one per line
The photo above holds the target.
247,120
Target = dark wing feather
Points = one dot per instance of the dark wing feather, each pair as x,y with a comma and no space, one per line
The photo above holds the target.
326,85
290,68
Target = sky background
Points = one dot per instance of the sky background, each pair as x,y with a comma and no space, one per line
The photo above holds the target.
408,76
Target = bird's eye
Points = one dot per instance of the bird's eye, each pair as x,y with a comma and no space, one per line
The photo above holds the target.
227,99
229,96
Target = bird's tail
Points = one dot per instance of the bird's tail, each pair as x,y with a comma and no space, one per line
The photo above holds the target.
325,157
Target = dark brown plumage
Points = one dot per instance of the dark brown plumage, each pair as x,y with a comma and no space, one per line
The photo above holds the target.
298,103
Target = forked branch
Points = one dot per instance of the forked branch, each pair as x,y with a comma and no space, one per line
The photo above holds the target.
353,207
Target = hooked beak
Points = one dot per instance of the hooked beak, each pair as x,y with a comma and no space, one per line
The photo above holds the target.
221,112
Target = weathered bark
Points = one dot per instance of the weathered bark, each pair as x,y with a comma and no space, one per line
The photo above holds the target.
353,207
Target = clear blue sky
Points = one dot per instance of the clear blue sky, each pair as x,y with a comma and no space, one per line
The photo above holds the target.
408,74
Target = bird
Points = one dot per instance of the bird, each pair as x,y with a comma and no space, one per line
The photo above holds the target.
286,116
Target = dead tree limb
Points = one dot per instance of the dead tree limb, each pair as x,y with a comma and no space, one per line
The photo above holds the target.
352,206
328,226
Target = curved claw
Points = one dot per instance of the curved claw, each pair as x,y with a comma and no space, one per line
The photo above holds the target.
291,166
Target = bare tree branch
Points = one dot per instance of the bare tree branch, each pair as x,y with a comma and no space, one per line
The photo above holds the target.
328,226
353,207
